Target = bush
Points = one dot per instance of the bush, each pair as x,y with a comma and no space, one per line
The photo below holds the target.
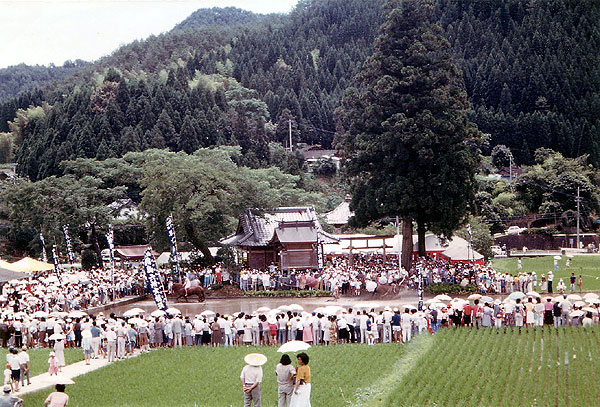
289,293
441,288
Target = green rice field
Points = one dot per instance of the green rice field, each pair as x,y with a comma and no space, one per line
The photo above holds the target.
456,367
588,266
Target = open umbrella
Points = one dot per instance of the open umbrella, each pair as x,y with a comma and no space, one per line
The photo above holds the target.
533,294
293,346
135,321
173,311
487,299
40,314
557,257
333,310
577,313
56,337
443,297
516,295
158,313
296,307
207,313
591,296
130,313
77,314
284,308
574,297
366,305
263,310
580,304
319,310
474,297
370,286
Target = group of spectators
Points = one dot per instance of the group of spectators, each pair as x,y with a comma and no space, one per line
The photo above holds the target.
74,290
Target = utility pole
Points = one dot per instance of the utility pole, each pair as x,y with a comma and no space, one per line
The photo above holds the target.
290,131
578,200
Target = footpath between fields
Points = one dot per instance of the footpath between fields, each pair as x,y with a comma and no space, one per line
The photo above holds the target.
376,394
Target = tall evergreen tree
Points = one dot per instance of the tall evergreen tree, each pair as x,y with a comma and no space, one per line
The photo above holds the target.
412,151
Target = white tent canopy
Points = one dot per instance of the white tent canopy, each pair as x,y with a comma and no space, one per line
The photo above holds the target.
373,244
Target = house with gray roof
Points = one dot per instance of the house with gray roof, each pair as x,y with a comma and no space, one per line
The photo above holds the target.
289,237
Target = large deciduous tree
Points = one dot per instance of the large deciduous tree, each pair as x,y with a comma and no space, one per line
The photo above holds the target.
411,150
206,191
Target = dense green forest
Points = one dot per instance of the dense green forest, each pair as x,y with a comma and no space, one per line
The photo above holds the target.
20,78
531,71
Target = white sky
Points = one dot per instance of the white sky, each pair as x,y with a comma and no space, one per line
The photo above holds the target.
53,31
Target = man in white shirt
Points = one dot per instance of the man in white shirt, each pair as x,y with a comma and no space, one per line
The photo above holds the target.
566,306
387,325
111,344
251,378
362,320
177,327
24,357
282,329
316,329
406,324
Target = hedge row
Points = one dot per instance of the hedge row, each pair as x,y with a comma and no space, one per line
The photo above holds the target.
288,293
441,288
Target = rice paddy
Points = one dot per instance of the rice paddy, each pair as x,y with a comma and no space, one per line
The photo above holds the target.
455,367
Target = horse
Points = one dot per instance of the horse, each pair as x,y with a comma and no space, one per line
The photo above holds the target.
179,291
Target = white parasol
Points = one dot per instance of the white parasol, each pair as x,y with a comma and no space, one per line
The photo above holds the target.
293,346
158,313
56,337
370,286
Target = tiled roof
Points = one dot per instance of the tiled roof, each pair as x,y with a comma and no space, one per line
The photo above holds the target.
340,215
256,229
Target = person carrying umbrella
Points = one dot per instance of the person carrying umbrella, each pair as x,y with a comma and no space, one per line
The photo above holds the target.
251,378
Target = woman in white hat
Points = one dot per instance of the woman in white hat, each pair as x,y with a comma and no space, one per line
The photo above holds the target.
251,377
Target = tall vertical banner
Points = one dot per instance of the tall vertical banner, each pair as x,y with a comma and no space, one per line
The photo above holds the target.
55,261
471,241
420,287
44,256
319,252
68,243
153,281
173,239
110,235
111,249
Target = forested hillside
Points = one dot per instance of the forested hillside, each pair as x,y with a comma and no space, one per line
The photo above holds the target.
20,78
531,71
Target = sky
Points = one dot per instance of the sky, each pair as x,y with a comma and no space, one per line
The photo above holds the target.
53,31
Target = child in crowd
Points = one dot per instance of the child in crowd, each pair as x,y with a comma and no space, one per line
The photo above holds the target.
53,364
7,378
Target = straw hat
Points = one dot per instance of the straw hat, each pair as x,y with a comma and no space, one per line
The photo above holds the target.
255,359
